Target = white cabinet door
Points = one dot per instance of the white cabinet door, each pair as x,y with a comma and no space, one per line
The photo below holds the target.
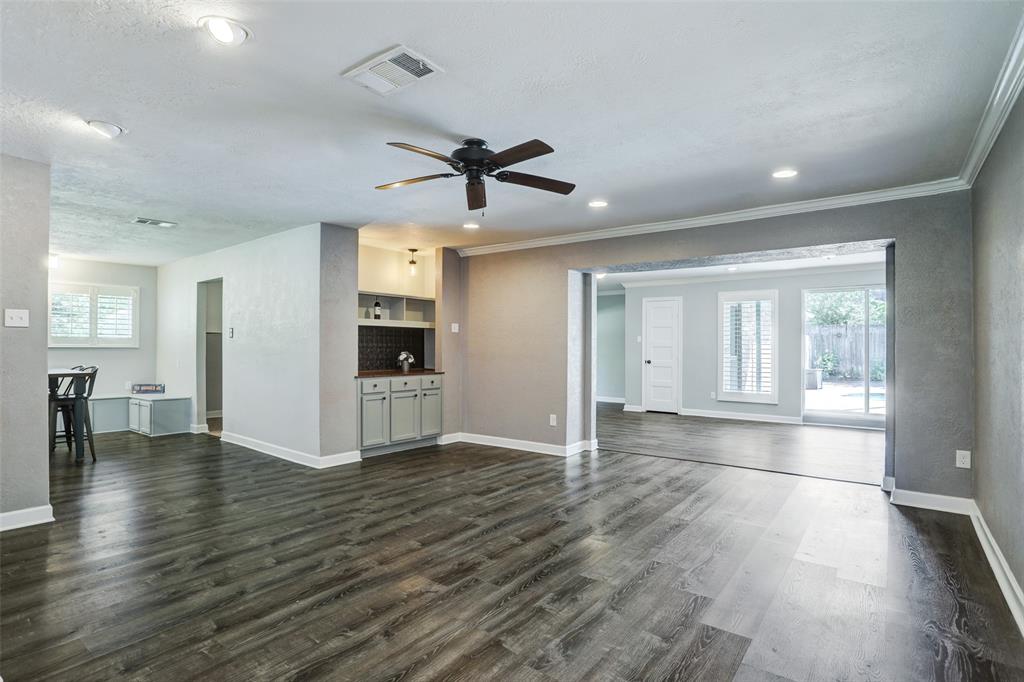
430,412
133,415
405,416
145,417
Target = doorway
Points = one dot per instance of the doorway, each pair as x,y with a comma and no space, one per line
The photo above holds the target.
844,375
210,354
662,319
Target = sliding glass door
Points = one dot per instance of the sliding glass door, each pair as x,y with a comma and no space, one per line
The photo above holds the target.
844,356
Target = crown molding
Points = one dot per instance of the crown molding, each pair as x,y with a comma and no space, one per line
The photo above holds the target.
1000,104
922,189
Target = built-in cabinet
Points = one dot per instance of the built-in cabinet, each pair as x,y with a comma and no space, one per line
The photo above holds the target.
159,416
396,311
399,410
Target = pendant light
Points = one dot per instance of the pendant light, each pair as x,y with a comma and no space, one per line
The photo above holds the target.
412,262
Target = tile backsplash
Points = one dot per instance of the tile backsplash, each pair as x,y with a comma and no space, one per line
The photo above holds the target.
379,346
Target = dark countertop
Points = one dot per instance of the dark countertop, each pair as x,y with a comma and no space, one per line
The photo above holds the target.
374,373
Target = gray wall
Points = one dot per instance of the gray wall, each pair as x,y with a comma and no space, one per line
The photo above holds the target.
611,349
450,309
518,321
700,336
998,199
339,342
271,367
117,365
24,243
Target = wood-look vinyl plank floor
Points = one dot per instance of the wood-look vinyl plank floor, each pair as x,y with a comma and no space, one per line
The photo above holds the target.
832,452
184,557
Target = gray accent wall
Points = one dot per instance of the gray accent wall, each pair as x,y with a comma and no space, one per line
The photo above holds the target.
339,343
518,322
450,309
611,346
700,336
998,199
116,365
24,245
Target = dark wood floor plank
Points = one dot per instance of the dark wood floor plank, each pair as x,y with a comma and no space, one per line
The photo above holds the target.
188,558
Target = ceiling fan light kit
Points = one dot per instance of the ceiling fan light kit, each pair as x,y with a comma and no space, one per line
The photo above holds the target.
474,161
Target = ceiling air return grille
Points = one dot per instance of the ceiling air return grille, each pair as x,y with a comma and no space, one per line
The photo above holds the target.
395,69
154,222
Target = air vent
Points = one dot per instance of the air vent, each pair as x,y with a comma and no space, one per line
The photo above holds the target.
397,68
154,222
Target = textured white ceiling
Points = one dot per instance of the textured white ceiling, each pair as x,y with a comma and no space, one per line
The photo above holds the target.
667,110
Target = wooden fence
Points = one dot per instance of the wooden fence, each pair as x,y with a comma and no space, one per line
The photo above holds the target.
845,343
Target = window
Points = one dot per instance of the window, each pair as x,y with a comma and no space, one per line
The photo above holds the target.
748,326
96,315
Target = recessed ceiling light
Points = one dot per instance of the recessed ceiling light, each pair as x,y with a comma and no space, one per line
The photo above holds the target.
225,31
600,275
784,173
107,130
597,203
732,268
470,226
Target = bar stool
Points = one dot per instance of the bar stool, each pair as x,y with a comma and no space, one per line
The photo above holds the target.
65,404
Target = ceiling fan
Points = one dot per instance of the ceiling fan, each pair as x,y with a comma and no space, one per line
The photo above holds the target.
475,161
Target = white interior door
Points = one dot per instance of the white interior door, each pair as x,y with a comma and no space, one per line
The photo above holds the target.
662,318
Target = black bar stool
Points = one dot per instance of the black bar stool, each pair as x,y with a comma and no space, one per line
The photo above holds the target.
65,404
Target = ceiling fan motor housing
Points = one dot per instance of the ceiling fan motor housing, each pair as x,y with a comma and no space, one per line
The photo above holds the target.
473,153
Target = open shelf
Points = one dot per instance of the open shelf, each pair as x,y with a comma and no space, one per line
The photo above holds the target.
396,311
413,324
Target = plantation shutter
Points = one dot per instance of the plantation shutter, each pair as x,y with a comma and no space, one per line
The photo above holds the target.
70,316
114,316
748,345
93,315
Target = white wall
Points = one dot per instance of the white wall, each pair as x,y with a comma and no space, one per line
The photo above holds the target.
386,271
611,346
700,336
116,365
271,289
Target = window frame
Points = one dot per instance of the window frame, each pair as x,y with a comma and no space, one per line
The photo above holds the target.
94,290
723,395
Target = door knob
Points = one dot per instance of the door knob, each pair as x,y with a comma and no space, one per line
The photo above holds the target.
647,361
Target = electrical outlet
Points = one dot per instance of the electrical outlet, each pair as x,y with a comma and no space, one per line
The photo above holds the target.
713,395
455,327
963,459
552,420
15,317
639,339
128,386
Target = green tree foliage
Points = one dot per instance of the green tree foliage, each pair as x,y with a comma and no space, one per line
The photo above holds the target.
843,307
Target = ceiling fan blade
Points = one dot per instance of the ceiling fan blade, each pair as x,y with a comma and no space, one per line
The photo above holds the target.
535,181
476,195
411,181
426,152
521,152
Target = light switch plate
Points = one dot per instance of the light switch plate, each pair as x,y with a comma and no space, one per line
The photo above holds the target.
963,459
552,420
455,327
15,317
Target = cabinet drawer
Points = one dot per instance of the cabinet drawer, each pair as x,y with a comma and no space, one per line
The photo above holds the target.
405,384
433,381
373,385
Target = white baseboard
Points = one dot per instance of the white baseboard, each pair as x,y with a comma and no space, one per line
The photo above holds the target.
30,516
632,408
304,458
582,446
1004,576
200,428
449,438
607,399
888,483
514,444
214,413
946,503
743,416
